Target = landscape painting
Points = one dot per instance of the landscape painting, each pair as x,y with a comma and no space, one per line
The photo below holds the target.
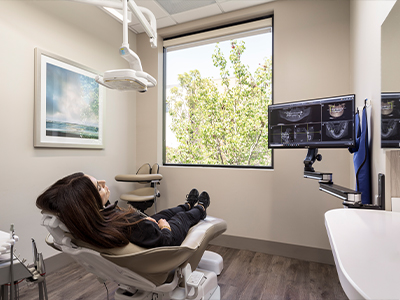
69,104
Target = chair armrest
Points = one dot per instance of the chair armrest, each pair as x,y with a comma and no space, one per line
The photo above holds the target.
138,177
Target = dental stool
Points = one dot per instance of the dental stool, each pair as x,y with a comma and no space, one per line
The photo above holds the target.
156,273
143,198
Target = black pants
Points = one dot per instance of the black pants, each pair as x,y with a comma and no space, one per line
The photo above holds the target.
180,220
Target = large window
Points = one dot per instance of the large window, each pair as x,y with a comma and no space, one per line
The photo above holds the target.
218,85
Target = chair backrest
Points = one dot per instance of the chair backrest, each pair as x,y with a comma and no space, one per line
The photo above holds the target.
155,169
144,169
133,265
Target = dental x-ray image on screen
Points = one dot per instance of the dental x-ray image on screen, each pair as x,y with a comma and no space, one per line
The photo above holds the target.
390,120
316,123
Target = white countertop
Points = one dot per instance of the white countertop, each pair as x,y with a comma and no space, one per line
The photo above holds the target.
366,247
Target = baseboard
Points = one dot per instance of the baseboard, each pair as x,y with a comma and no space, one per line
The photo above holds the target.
275,248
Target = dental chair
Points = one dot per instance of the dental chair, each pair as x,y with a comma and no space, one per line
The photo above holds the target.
180,272
143,198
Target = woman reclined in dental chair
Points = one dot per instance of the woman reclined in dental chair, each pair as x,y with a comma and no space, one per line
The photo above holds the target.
82,204
159,257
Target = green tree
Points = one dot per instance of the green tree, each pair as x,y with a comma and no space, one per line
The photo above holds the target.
222,123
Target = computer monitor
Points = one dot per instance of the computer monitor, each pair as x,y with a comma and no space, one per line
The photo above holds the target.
390,120
315,123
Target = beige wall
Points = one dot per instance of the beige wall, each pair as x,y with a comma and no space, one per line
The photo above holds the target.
390,38
366,20
390,51
86,35
311,60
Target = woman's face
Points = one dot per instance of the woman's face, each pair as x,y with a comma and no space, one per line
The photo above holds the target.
102,188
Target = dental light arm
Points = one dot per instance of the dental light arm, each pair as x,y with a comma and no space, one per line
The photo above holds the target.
133,78
150,27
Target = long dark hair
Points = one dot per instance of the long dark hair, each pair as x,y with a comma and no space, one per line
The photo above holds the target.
78,204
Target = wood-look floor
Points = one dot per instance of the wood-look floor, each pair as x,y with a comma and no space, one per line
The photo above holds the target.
247,275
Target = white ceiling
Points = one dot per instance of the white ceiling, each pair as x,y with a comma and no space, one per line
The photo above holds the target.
173,12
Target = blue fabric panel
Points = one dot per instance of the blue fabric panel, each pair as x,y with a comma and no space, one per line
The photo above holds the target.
361,159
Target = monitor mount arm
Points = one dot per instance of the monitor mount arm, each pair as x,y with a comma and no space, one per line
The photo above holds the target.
312,156
351,198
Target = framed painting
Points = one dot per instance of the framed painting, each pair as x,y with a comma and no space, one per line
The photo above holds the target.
69,104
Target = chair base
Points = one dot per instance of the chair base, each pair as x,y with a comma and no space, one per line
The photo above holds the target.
208,290
211,261
211,265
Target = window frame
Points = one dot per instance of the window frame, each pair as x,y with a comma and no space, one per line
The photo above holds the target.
164,94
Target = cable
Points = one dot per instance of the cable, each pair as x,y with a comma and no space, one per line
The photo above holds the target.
106,290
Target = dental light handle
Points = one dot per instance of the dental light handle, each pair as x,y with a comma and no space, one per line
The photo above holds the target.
148,77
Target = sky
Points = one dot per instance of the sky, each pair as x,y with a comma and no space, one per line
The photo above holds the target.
257,48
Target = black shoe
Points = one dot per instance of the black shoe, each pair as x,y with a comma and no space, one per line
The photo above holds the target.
204,200
192,197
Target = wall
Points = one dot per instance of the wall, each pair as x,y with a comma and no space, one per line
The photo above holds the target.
390,39
86,35
312,46
366,20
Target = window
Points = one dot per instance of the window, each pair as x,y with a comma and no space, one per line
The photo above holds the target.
218,85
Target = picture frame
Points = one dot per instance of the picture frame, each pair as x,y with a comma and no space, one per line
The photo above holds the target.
69,104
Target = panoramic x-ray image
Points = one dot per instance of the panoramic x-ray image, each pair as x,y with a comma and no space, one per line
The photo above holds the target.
298,114
295,114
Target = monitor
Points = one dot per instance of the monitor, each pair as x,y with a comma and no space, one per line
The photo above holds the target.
390,120
315,123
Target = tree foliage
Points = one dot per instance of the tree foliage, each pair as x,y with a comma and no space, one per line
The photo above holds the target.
223,121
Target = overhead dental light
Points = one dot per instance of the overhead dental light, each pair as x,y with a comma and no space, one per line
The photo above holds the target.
134,78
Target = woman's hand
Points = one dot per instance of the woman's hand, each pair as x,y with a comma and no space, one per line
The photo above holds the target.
151,219
162,223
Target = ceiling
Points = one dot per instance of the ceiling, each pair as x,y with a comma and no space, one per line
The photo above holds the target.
173,12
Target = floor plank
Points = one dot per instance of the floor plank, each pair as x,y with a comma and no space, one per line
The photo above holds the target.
246,275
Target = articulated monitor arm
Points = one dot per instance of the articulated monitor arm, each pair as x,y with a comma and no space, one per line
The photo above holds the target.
312,156
350,198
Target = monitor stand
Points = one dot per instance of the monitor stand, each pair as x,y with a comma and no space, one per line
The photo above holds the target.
350,198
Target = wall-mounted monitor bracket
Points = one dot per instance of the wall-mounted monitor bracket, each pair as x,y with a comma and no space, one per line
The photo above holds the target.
350,198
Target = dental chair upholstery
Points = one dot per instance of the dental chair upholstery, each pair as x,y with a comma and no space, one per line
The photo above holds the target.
142,273
143,198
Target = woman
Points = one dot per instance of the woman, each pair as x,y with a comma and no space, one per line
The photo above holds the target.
81,203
